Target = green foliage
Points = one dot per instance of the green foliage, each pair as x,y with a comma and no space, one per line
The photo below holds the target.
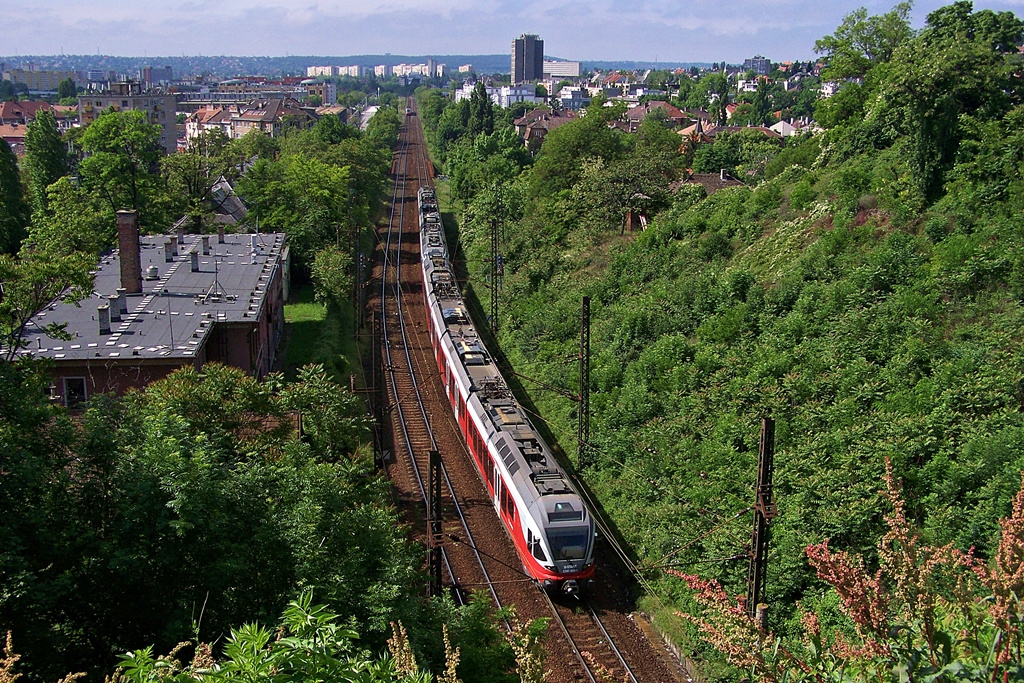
800,151
745,153
865,289
332,281
191,174
14,213
301,196
74,222
66,88
192,506
120,167
560,162
384,126
46,157
862,42
30,283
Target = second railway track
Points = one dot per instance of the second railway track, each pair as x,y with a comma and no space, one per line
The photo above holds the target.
478,555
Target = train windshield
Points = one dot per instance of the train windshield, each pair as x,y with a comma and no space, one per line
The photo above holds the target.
569,544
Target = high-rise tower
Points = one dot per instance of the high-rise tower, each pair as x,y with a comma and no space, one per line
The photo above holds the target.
527,58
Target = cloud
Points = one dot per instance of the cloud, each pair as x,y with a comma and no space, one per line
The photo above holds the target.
699,30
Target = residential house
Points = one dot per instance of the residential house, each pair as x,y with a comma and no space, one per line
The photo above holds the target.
271,116
573,97
535,125
14,135
209,117
22,112
636,115
66,116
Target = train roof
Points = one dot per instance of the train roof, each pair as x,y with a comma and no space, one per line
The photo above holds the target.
525,455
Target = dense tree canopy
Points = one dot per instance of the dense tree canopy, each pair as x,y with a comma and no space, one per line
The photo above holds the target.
122,153
14,212
46,158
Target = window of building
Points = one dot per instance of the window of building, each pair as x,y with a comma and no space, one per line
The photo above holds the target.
74,391
124,103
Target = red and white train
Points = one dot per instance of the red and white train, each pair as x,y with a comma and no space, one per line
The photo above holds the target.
551,527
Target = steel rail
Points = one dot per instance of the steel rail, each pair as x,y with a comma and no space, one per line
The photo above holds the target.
395,263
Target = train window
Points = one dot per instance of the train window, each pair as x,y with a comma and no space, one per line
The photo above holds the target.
569,544
537,549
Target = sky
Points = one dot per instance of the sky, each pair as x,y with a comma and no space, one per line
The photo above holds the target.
605,30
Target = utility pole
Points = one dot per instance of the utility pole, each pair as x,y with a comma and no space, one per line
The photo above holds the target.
583,424
435,529
764,512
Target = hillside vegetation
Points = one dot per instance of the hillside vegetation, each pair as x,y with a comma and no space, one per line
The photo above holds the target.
212,526
864,287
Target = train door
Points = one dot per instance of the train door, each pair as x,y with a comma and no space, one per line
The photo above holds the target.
498,485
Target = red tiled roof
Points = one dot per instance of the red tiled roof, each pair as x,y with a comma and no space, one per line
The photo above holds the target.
641,111
22,111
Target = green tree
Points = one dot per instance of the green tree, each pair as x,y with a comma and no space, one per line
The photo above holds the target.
122,153
66,88
862,42
331,130
560,162
46,158
74,222
302,196
713,92
14,213
481,112
958,65
29,284
332,279
189,176
384,127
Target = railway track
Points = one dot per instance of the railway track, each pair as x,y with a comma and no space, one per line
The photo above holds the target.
477,555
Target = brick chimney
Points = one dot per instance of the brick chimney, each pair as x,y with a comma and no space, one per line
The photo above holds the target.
115,308
128,246
103,313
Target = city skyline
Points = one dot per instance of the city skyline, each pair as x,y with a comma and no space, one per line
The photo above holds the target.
643,30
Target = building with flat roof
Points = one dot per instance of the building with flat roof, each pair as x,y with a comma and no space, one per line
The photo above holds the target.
40,80
561,69
527,58
159,106
758,64
164,302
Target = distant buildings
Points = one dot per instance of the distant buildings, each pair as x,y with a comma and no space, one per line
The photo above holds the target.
758,64
152,76
503,96
561,69
431,69
354,71
527,58
39,81
160,108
